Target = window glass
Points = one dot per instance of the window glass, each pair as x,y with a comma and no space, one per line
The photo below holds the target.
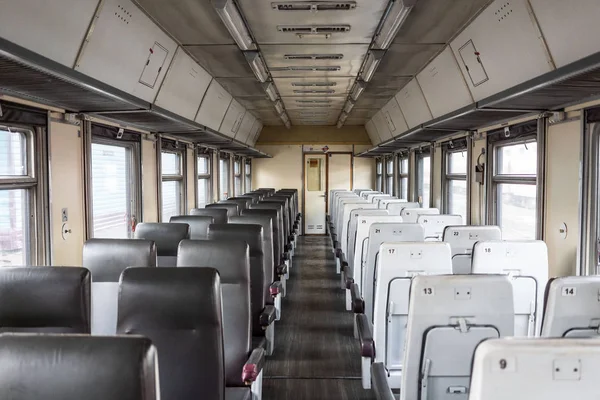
457,198
203,165
379,176
424,180
203,192
171,199
404,166
111,191
14,227
517,211
517,159
13,153
248,178
170,163
457,162
224,179
172,185
403,189
379,167
314,175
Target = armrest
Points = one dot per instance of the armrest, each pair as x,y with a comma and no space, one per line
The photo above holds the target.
367,345
290,238
299,215
348,276
281,270
275,288
253,366
338,252
285,256
267,316
380,382
343,261
286,248
358,304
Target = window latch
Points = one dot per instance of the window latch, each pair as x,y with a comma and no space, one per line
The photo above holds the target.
120,133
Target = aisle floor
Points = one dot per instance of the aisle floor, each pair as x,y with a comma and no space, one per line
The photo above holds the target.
316,355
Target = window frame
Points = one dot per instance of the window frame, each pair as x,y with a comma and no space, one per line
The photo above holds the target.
379,175
227,158
419,156
448,177
204,176
403,175
247,175
239,175
389,174
182,152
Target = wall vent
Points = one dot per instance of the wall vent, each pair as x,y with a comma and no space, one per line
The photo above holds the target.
313,56
123,14
315,105
314,6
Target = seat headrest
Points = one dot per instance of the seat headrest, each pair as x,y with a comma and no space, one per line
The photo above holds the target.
108,258
263,220
198,224
45,299
218,214
159,298
166,236
274,214
267,206
232,208
244,202
75,367
252,234
230,257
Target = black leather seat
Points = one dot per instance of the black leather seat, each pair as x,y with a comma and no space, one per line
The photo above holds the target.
232,259
45,300
77,367
283,201
198,225
232,208
256,197
278,260
243,202
179,309
263,315
283,244
107,259
167,237
219,215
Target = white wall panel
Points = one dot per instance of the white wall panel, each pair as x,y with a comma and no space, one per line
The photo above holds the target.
214,106
413,104
501,48
443,85
392,115
372,132
383,130
233,119
54,29
253,130
184,86
571,28
127,50
256,135
245,127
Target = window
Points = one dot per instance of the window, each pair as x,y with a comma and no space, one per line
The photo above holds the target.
204,181
389,176
224,178
424,179
114,188
18,191
379,175
248,172
172,188
455,183
403,177
514,189
237,177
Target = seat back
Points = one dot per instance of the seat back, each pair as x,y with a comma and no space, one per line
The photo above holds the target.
282,237
252,235
107,259
45,299
293,193
359,191
355,217
256,197
549,369
277,238
434,225
267,245
253,199
198,225
462,239
179,309
218,215
572,307
332,196
232,260
377,197
383,203
284,215
527,264
232,208
412,214
287,208
75,367
347,217
336,201
368,195
343,211
242,203
448,317
166,236
395,208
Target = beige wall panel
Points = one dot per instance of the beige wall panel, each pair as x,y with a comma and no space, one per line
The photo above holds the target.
149,181
562,197
364,173
66,185
191,187
284,170
314,134
340,171
477,190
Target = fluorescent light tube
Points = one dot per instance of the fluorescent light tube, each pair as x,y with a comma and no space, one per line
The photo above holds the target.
343,117
288,125
340,124
234,23
393,22
359,87
373,59
279,107
257,65
349,106
271,91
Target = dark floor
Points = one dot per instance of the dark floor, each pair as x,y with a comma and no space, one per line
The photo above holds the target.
316,355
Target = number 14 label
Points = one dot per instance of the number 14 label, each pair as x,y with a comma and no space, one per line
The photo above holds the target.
569,291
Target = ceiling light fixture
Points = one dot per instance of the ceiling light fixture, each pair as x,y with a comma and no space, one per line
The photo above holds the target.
359,87
325,101
288,125
395,18
342,119
313,56
257,65
271,91
349,106
314,6
314,91
279,107
373,59
314,84
308,68
231,17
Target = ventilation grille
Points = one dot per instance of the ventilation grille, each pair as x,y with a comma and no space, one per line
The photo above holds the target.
123,14
314,84
314,91
313,56
314,101
313,29
308,68
315,105
314,6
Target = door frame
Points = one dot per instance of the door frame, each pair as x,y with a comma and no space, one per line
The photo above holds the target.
317,153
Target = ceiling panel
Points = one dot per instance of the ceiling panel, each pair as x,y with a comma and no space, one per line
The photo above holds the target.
366,113
356,121
242,87
222,61
437,21
266,114
407,59
255,102
386,86
189,21
368,101
290,86
264,22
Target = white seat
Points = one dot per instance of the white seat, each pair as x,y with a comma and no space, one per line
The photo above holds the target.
527,264
434,225
366,193
353,228
412,214
448,317
383,203
396,208
359,191
462,239
378,197
572,307
346,218
549,369
333,196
